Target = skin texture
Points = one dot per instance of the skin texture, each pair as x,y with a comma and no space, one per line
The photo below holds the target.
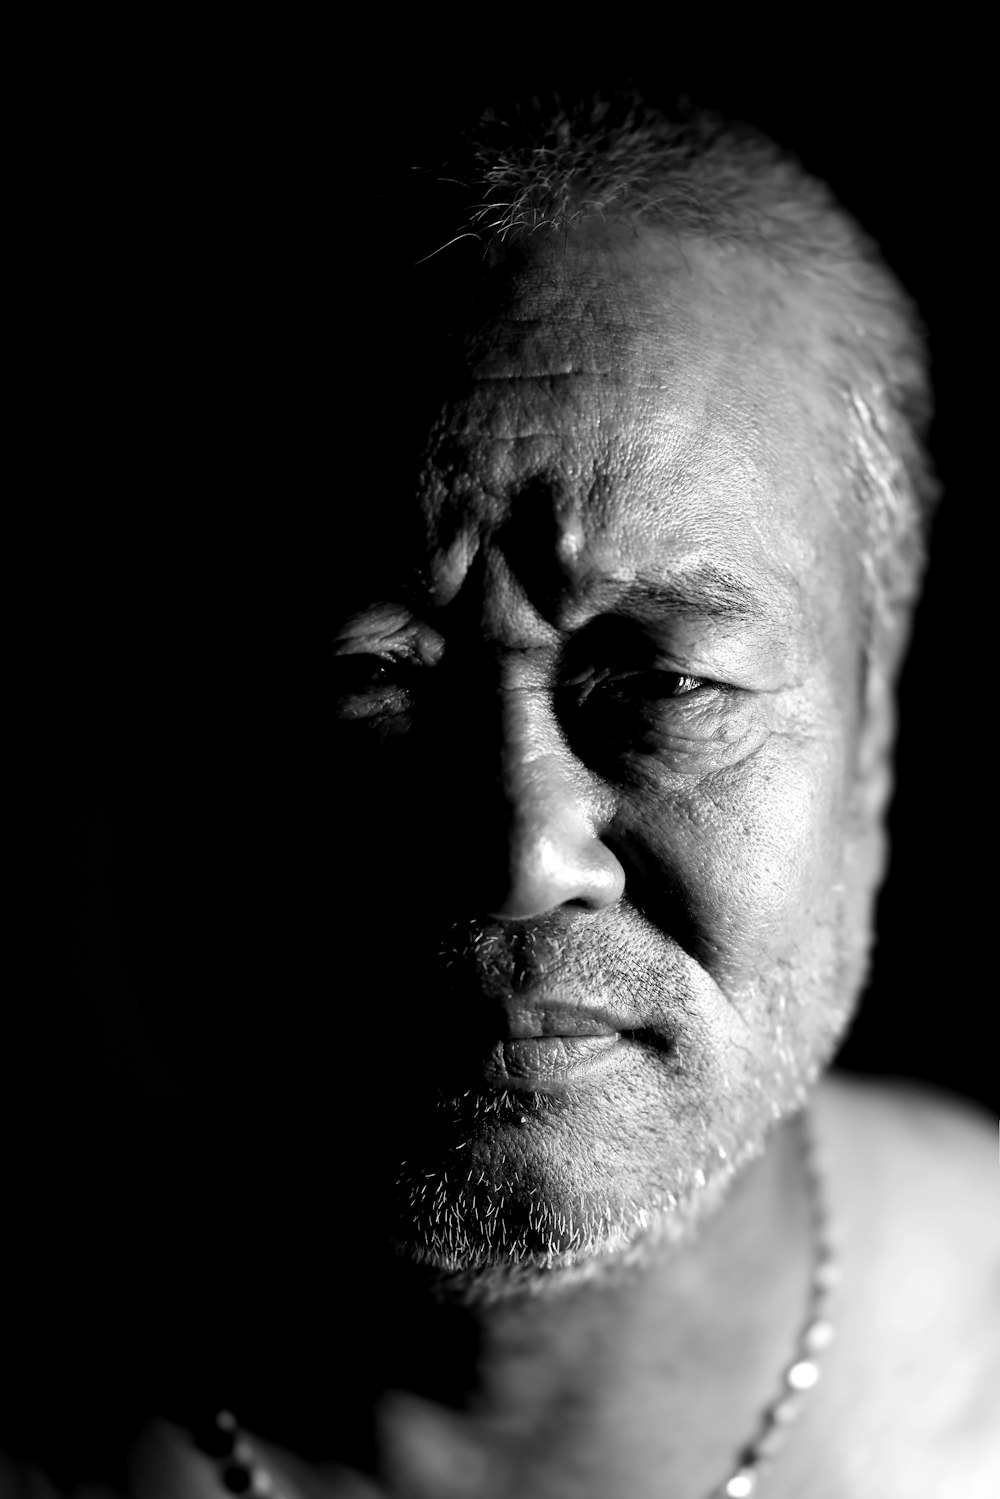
648,1386
667,807
665,803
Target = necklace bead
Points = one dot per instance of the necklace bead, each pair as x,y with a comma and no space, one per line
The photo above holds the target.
818,1335
741,1484
802,1376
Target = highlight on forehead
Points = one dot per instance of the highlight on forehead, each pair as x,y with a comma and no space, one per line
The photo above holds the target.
541,168
703,591
578,510
566,564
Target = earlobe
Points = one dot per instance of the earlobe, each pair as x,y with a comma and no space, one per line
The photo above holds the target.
874,777
875,753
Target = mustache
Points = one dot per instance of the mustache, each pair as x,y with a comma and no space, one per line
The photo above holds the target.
513,955
460,981
622,955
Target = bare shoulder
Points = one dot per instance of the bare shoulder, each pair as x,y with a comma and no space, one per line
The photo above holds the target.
914,1184
920,1152
915,1178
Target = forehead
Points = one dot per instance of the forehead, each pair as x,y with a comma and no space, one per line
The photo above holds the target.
628,404
622,407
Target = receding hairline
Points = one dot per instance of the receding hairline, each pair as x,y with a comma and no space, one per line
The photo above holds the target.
543,167
548,166
792,302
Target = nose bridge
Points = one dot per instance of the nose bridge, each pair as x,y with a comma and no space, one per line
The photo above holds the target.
526,719
554,853
536,768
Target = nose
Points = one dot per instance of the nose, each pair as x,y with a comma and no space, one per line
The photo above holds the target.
555,856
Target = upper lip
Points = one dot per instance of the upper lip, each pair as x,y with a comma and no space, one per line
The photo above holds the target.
566,1020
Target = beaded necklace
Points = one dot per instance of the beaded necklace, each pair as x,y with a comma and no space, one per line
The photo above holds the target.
241,1470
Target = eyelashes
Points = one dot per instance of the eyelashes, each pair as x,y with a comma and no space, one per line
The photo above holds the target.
372,685
369,686
655,684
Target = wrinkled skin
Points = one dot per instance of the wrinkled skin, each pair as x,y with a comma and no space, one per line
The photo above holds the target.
663,803
550,799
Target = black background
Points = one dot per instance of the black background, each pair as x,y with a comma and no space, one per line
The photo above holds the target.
198,216
198,430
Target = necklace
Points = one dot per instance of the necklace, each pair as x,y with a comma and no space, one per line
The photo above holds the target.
242,1472
802,1371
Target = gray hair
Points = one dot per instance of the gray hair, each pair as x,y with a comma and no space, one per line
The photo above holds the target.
546,167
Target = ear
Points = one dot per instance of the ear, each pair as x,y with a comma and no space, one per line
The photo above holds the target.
866,843
874,779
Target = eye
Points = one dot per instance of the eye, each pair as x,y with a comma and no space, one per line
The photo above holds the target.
649,710
641,684
368,685
654,684
361,672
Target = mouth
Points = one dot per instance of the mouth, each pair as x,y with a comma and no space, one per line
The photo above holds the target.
545,1014
538,1063
553,1045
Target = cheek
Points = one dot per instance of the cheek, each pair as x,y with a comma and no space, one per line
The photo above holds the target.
753,855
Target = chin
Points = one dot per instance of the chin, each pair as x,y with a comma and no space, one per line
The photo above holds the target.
542,1204
468,1262
507,1193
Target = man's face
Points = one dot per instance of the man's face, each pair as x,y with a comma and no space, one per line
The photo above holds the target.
603,729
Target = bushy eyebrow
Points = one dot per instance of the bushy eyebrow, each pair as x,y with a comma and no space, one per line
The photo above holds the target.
704,592
701,593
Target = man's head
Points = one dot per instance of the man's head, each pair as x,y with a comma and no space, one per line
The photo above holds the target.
617,714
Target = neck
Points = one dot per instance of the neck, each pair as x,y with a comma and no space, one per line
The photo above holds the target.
695,1336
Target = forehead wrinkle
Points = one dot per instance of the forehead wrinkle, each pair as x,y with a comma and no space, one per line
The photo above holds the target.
451,565
585,512
704,591
491,603
612,377
660,418
584,305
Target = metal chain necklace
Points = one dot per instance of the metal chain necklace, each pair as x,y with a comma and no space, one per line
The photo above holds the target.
241,1470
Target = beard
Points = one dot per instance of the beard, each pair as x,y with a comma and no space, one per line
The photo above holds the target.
504,1190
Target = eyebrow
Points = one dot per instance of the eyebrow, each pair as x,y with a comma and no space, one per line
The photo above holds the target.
704,592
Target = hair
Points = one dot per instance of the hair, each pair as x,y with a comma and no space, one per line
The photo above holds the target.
546,166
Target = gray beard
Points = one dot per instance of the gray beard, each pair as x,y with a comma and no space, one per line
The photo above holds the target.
489,1208
482,1238
478,1256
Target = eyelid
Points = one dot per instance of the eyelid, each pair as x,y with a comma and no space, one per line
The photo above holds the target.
379,695
388,650
407,644
596,676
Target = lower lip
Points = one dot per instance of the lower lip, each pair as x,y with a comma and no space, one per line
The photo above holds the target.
539,1062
